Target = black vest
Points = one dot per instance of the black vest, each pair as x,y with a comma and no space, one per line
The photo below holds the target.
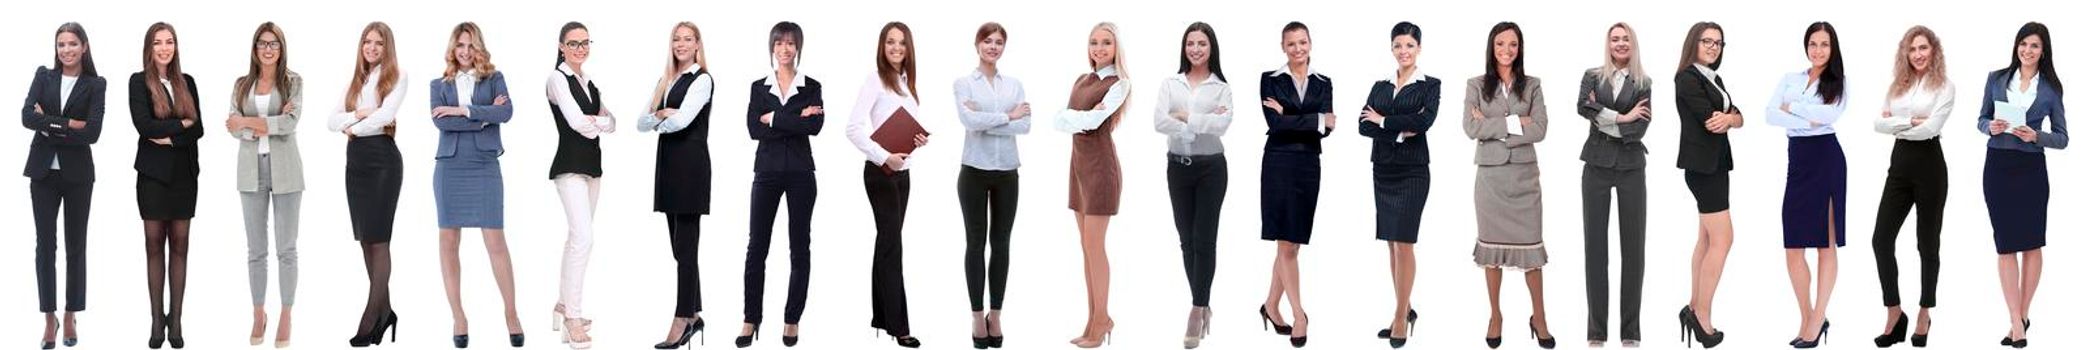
577,154
682,166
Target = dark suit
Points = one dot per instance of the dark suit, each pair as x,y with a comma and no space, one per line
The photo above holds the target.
1401,165
1291,183
70,187
783,169
1613,162
166,173
1706,157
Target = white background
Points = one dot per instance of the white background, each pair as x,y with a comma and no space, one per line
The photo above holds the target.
1346,277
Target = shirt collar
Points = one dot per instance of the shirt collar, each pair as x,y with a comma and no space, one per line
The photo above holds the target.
1107,71
693,68
1396,77
797,81
568,71
1707,71
1287,70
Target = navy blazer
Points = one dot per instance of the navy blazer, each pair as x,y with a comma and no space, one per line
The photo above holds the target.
1300,128
1414,110
784,144
482,129
2046,108
53,138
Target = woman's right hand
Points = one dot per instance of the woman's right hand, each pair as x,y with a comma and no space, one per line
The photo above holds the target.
1996,127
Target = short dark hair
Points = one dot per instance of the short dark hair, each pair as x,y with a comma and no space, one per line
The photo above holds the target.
1409,29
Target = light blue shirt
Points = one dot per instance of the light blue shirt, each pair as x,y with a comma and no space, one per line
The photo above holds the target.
1809,116
983,106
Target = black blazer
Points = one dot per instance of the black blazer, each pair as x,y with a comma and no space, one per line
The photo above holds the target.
169,163
1299,130
682,161
1413,110
1602,150
53,138
1696,99
784,145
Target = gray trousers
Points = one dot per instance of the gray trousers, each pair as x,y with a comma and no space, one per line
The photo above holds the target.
255,206
1597,183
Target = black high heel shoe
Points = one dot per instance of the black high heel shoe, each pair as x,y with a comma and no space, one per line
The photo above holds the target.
390,323
174,332
1694,331
159,331
1900,332
1820,338
461,340
1543,343
1299,341
790,340
994,341
908,342
688,330
515,340
1387,333
72,336
1272,324
1398,342
1920,339
747,340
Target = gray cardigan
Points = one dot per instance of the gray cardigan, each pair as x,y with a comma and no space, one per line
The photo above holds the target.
286,169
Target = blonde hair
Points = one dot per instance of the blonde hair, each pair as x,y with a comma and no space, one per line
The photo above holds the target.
1632,66
1905,77
482,60
668,76
1117,50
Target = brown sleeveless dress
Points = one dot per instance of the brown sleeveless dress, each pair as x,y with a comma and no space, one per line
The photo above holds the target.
1094,180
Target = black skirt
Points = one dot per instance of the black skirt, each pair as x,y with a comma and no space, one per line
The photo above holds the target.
1291,190
164,200
1709,189
2015,186
1400,191
374,175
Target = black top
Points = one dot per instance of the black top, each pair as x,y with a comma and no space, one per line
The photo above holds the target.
166,163
1602,150
1696,99
783,144
682,165
1414,109
1299,130
577,154
53,138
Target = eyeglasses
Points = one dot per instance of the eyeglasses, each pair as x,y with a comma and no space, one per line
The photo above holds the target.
1712,42
579,44
268,45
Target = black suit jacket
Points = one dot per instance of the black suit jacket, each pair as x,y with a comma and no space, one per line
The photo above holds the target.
53,138
784,144
1299,129
166,163
1696,99
1603,150
1414,110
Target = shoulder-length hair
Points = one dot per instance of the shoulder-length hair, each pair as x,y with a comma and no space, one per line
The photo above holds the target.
2046,53
86,49
1632,64
1690,55
1516,67
166,105
889,75
388,63
245,84
482,60
1211,59
1830,88
668,76
1905,77
787,30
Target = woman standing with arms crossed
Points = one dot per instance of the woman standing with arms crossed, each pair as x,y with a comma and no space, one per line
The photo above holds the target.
1194,109
682,169
468,105
2014,180
61,171
1918,103
1808,103
992,107
576,172
264,118
163,108
1397,117
1298,106
888,93
1705,112
369,117
1506,187
1614,97
1093,111
783,113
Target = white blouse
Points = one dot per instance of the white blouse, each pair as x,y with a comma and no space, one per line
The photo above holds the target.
693,101
1919,101
875,104
1199,133
555,90
387,107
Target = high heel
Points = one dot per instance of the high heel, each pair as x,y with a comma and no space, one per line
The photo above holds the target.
174,339
1900,332
1920,339
1269,323
515,340
1695,331
1195,334
461,340
908,342
72,333
1299,341
687,331
790,340
1820,338
747,340
1401,341
994,341
1543,343
581,325
159,331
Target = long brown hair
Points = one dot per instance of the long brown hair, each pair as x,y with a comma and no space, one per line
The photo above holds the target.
482,60
889,75
386,79
1690,55
668,76
1904,76
86,49
282,78
164,104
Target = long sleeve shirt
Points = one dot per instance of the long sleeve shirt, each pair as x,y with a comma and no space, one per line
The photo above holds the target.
1934,105
1797,106
385,108
874,105
1208,107
984,103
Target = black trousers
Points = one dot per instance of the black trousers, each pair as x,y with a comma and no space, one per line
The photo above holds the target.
888,195
770,189
987,198
1597,183
1196,188
1916,178
46,196
683,234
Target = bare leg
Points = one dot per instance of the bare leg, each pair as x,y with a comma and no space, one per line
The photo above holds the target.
1288,255
1719,238
1494,277
447,249
2013,292
1797,271
1094,228
1403,283
1535,282
2034,262
503,274
1825,286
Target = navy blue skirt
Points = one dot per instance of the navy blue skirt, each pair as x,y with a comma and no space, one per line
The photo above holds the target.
1815,179
469,191
1400,191
2015,185
1291,189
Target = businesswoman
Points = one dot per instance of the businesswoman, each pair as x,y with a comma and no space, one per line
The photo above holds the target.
681,112
1298,106
994,111
264,118
783,112
1194,109
61,171
576,172
888,94
1705,113
368,116
163,108
1094,180
2019,101
1807,104
1615,99
468,104
1919,101
1506,187
1397,117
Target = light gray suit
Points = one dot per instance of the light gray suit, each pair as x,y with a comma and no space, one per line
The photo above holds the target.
275,179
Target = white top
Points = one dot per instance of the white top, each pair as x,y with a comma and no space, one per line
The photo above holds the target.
1714,76
258,100
2023,97
386,111
1199,133
1809,115
555,90
65,94
875,104
990,137
693,101
467,83
1933,104
1075,121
